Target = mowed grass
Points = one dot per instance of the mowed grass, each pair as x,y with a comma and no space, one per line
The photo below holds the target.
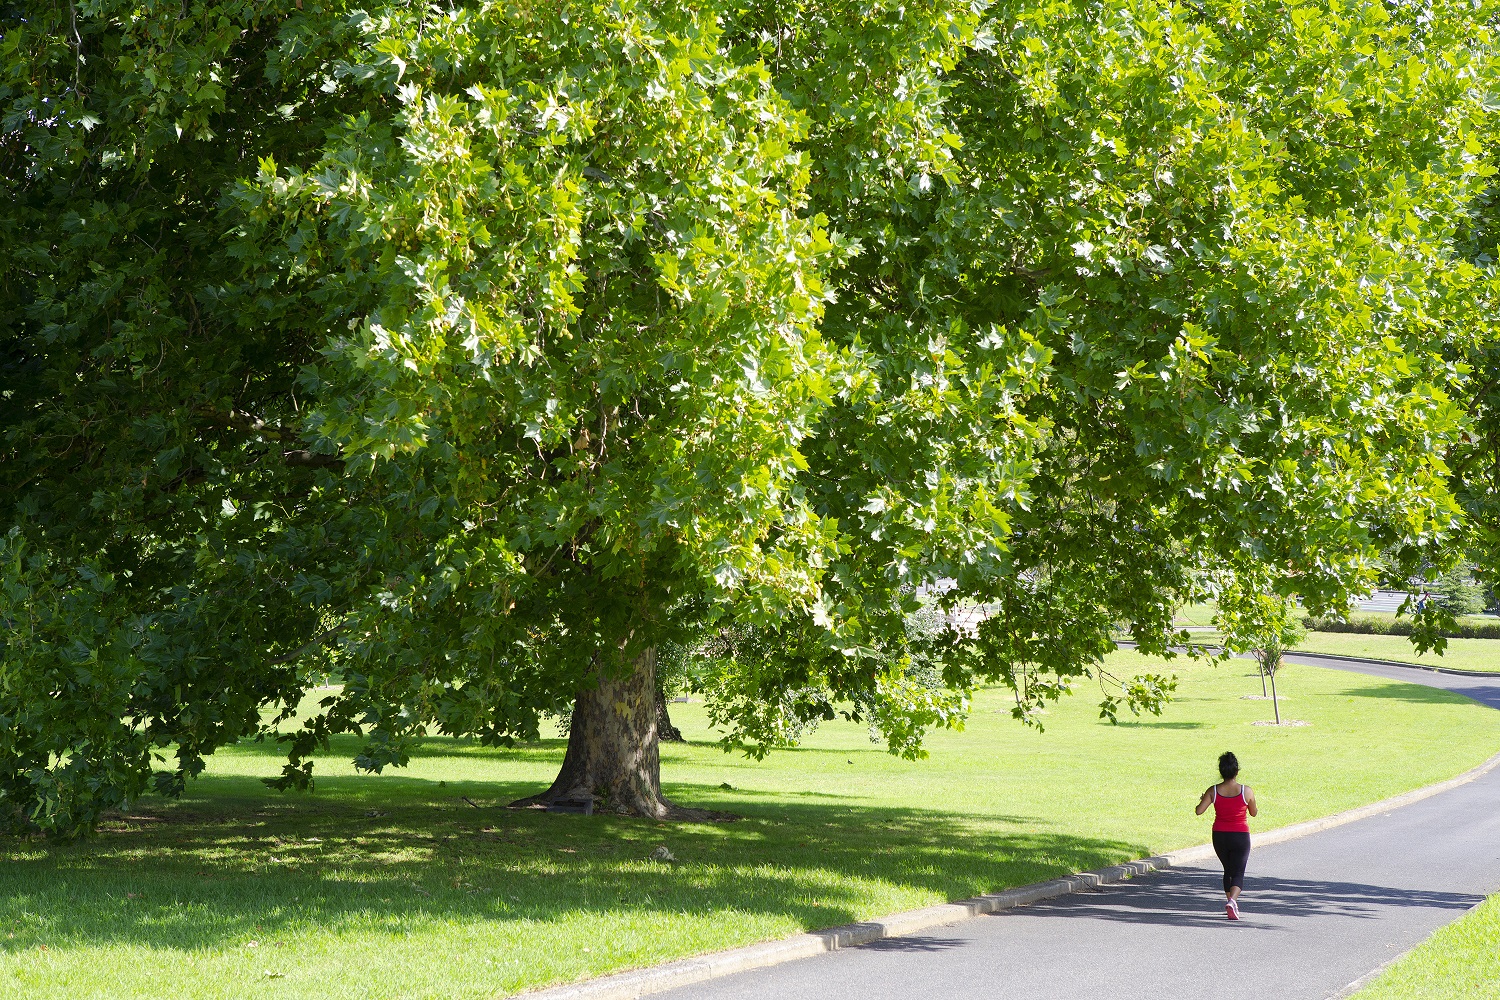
396,886
1458,962
1459,654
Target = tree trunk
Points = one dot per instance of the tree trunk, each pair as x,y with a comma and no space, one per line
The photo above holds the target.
1261,663
665,731
1275,705
612,759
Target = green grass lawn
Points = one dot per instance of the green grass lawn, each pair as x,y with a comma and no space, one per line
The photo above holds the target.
394,886
1460,654
1197,614
1459,962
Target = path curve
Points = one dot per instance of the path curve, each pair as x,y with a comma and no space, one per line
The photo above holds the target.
1482,688
1320,913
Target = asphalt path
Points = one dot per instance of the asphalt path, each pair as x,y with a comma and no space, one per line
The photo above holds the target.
1318,913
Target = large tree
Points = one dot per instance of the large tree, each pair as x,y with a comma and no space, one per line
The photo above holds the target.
1474,459
458,343
1176,317
478,351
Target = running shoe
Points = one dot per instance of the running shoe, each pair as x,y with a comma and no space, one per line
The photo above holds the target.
1232,910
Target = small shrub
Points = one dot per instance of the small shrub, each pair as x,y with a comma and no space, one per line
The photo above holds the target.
1361,625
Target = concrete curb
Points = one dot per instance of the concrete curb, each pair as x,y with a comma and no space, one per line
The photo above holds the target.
1452,671
657,979
1367,978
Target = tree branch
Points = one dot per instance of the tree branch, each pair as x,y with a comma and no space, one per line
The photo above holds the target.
317,640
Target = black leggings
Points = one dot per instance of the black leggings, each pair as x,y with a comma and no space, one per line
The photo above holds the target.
1233,849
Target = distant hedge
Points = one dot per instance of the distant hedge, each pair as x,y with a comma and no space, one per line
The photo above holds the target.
1396,626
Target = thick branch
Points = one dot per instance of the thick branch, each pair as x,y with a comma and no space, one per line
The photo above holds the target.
318,640
241,421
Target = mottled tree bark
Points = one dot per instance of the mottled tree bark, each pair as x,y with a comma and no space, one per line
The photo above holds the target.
612,746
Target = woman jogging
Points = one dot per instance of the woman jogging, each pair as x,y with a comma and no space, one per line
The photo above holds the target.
1233,804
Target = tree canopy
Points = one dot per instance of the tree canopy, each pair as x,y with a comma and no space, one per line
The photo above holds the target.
475,351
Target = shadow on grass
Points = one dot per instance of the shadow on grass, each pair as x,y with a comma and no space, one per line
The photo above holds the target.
1422,695
229,863
1145,724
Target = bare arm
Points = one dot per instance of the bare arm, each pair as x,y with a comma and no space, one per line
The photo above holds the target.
1250,801
1204,801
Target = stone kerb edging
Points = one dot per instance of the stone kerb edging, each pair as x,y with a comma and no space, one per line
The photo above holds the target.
686,971
1450,671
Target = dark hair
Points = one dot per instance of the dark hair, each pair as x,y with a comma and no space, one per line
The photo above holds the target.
1229,765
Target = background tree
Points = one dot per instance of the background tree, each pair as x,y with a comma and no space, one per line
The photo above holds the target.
1125,327
1474,459
479,351
1265,625
1457,591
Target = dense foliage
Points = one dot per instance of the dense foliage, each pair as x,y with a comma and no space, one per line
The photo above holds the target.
1210,250
476,350
1474,459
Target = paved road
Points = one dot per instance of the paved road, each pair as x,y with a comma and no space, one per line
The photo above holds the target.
1481,689
1319,913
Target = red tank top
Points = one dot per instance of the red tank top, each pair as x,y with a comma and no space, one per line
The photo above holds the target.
1230,813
